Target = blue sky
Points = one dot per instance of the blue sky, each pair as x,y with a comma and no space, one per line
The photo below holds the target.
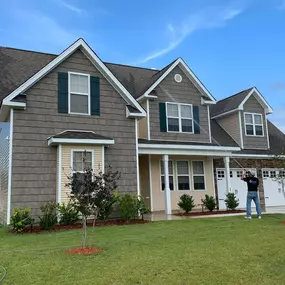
230,45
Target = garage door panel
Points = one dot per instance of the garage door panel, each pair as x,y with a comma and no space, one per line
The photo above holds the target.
274,186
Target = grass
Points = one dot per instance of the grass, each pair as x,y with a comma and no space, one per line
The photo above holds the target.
219,251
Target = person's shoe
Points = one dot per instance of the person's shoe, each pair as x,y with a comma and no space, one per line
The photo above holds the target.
259,217
248,218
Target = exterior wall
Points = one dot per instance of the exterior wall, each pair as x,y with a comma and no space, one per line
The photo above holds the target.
4,170
142,125
144,178
184,92
250,163
158,194
251,142
35,164
231,125
67,165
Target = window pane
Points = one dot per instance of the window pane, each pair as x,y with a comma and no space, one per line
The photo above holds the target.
173,125
186,111
182,167
259,130
170,167
78,104
82,160
172,110
248,119
258,119
199,183
77,166
183,183
78,83
170,183
187,126
198,167
249,129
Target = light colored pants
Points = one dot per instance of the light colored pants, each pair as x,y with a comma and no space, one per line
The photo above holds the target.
252,195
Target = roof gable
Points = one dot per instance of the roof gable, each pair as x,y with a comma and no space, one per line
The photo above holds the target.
236,102
188,72
79,44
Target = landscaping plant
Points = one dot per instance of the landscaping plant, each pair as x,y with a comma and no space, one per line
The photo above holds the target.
209,202
128,206
48,219
231,201
89,193
69,215
21,219
186,203
142,207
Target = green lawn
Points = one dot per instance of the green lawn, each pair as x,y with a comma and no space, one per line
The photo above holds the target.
198,251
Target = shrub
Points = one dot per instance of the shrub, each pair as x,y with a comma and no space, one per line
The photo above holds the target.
21,219
231,201
209,202
186,203
49,217
105,201
69,215
128,206
142,207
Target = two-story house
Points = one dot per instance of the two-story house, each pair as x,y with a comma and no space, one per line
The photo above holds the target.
162,129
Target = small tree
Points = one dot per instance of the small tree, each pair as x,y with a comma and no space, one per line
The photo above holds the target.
186,203
231,201
209,202
89,193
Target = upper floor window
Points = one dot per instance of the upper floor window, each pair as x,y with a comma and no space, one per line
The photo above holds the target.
79,93
253,124
179,117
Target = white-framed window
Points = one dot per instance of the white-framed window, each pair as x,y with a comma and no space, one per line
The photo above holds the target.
221,173
183,175
81,160
79,93
198,175
179,117
170,174
265,173
253,124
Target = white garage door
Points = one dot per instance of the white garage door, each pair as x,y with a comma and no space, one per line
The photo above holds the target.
238,186
274,187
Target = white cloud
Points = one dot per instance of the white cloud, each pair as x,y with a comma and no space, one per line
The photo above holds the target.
72,8
208,18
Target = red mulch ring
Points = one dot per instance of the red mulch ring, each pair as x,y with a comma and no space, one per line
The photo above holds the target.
37,230
84,250
283,222
208,213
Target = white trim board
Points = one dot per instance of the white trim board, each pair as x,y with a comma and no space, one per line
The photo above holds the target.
188,72
9,194
252,156
59,153
53,141
80,43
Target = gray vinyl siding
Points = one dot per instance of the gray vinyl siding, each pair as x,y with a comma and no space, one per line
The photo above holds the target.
35,164
231,125
184,92
251,142
4,170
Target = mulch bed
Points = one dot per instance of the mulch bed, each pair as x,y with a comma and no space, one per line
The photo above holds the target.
84,250
208,213
283,222
37,230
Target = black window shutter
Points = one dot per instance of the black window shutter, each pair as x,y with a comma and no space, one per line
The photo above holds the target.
95,95
62,92
162,114
196,117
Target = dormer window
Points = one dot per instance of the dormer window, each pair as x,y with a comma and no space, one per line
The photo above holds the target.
79,93
179,117
253,124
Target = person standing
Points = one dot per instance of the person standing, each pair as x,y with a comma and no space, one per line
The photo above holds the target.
252,193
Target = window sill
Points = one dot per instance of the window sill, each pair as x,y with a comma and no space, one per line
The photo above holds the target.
177,132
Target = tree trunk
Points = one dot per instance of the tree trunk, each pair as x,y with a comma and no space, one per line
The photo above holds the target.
84,231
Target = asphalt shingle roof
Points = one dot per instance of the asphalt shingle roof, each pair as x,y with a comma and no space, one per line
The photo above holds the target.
229,103
80,135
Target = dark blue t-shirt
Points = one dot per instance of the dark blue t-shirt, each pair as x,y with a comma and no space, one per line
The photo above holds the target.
252,183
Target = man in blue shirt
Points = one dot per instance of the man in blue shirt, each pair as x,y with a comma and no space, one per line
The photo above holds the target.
252,193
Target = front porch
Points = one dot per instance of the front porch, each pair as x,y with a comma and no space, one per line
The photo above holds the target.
166,173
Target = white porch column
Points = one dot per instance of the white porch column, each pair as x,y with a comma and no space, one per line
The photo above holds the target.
227,172
166,188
